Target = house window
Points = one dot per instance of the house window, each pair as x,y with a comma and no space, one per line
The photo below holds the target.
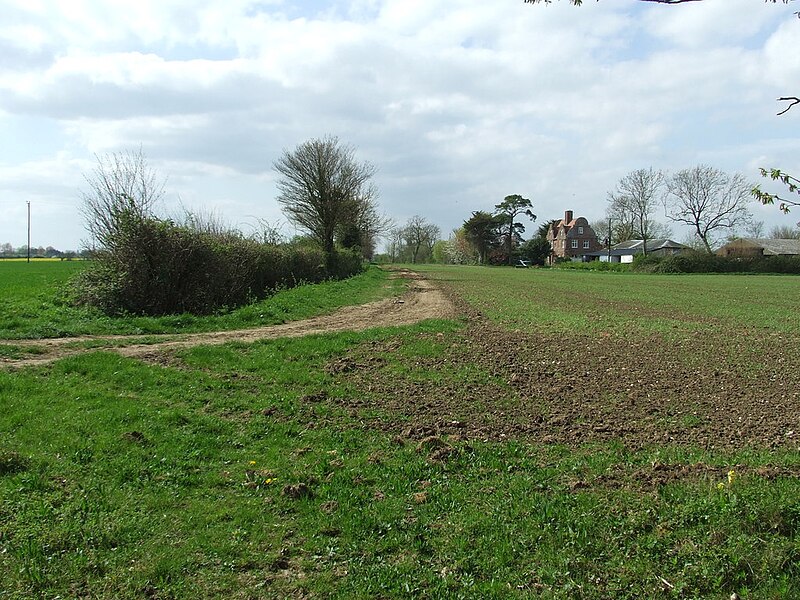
585,244
580,230
574,243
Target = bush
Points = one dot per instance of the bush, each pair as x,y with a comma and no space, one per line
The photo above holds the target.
701,262
594,265
155,267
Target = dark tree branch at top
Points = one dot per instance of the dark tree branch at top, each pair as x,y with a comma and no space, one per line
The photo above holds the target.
791,99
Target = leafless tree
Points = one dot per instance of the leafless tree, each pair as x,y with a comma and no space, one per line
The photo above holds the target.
420,235
321,186
785,232
755,229
267,233
208,221
634,201
708,200
122,185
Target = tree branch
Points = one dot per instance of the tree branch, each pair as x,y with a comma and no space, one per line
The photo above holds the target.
792,99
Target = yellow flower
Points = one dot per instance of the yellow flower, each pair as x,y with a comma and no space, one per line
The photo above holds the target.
252,462
269,480
731,476
720,486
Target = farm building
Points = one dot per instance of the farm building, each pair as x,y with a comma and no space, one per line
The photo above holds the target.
572,238
624,252
753,247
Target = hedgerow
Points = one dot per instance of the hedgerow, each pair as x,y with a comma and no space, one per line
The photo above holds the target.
701,262
156,267
595,265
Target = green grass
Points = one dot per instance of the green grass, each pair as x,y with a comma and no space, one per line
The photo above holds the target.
33,304
243,470
564,300
120,479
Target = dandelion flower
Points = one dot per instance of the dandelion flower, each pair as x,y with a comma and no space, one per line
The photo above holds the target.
720,486
252,462
731,476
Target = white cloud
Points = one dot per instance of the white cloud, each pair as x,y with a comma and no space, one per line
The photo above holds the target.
457,103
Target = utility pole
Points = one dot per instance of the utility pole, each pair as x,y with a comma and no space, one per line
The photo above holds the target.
29,231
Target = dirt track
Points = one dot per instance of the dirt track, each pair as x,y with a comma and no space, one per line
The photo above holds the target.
488,383
421,301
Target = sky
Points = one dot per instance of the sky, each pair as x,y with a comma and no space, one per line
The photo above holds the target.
456,103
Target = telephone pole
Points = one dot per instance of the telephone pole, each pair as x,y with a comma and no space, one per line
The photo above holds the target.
29,231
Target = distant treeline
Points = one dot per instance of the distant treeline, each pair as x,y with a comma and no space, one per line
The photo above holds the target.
9,251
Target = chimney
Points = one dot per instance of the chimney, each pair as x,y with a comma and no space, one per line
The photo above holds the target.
567,217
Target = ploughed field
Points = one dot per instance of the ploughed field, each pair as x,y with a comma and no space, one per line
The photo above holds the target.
699,361
547,434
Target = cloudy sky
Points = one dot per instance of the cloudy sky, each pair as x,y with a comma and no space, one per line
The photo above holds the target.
457,103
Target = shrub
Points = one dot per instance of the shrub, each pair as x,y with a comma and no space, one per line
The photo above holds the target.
156,267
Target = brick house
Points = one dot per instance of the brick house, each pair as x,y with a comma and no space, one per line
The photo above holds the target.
572,239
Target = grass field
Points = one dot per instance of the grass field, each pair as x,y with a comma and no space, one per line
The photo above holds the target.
499,457
563,300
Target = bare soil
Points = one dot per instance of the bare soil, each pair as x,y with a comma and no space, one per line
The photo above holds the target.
698,391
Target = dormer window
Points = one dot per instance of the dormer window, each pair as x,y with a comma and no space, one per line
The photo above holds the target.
580,229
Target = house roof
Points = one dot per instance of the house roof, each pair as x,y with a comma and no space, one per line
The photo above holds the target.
555,227
612,252
772,247
635,246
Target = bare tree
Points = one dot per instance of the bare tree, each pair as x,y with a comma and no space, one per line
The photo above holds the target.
755,229
396,237
785,232
708,200
321,186
269,234
635,200
419,235
121,185
208,221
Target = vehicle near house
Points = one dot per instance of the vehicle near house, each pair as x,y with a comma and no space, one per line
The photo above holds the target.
572,239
